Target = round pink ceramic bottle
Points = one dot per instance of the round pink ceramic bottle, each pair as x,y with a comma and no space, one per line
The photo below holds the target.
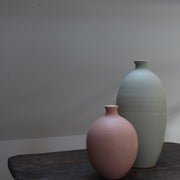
112,144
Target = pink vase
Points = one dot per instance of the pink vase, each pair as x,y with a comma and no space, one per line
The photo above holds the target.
112,144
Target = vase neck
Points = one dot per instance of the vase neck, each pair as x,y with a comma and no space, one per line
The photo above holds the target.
141,64
111,109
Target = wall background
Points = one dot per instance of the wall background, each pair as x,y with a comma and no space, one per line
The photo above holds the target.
62,61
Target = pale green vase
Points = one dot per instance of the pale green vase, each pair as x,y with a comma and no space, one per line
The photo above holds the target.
142,101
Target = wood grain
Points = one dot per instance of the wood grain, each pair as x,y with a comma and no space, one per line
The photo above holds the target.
74,165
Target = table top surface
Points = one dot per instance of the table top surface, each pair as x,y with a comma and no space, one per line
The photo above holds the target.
74,165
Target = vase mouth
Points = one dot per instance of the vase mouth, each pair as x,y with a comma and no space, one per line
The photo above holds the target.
143,60
141,64
111,106
111,109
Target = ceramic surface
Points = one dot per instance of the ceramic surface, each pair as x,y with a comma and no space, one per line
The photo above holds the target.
142,101
112,144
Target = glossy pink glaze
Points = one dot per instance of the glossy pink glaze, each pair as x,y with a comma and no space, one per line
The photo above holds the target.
112,144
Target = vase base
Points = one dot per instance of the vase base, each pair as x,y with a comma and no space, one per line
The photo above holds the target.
144,166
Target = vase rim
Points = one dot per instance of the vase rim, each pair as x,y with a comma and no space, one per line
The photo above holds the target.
111,105
143,60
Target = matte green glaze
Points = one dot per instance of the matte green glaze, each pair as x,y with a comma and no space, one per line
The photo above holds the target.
142,101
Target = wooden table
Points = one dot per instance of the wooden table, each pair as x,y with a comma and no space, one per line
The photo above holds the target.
74,165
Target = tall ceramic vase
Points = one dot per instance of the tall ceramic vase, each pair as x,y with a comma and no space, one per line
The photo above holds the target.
112,144
142,101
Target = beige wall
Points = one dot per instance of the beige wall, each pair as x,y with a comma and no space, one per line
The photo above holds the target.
61,61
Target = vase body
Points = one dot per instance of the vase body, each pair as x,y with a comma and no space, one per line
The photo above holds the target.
142,101
112,144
